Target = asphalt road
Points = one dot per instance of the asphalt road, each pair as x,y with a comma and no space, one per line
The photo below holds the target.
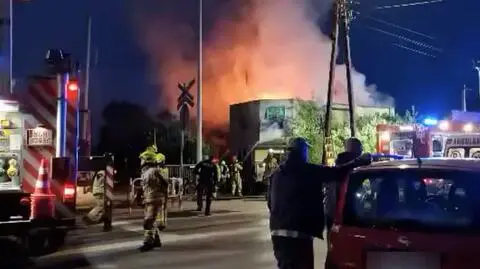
235,236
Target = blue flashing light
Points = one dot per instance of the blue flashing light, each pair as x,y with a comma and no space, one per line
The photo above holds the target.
430,121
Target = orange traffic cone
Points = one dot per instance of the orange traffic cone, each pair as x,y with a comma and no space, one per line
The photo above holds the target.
43,202
42,185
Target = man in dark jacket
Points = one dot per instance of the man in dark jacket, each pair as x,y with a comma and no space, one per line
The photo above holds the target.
353,150
295,202
207,174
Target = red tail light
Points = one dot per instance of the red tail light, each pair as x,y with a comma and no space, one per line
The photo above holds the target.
68,192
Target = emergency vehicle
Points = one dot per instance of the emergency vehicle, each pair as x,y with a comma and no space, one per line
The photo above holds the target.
27,135
446,138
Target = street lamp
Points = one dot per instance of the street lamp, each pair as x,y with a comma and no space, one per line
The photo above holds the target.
476,65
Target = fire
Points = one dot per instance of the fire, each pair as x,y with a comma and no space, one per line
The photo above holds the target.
256,49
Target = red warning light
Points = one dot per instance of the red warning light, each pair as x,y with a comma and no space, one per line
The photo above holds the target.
72,86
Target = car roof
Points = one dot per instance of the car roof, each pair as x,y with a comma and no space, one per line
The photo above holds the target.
467,164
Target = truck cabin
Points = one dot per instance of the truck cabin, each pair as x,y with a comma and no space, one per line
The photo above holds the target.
407,141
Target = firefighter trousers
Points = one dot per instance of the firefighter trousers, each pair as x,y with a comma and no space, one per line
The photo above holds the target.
96,214
155,220
237,185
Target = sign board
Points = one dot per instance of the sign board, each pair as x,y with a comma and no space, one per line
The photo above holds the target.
464,140
39,137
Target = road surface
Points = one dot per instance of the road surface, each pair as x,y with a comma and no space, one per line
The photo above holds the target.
235,236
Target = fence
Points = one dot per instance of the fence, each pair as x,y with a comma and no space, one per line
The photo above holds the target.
187,173
177,189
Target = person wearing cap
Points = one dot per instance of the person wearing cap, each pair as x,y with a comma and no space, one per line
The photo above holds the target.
206,172
154,186
353,149
295,202
235,170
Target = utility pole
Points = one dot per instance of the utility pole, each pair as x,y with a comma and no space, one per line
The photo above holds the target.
464,98
341,14
10,44
346,19
200,83
327,136
86,147
6,27
476,65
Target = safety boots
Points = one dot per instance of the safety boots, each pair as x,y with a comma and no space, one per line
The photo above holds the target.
156,241
151,242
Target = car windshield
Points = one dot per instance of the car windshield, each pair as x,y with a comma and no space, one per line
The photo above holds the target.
414,199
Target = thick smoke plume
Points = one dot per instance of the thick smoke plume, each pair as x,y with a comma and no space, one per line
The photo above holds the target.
253,49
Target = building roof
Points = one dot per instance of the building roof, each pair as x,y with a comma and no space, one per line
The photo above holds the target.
429,163
337,106
464,116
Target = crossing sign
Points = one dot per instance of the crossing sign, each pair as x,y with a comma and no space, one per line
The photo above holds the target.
185,99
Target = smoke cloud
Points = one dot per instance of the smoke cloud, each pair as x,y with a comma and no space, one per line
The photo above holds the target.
253,49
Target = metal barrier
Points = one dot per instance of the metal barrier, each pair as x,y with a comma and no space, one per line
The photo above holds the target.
189,179
175,192
187,173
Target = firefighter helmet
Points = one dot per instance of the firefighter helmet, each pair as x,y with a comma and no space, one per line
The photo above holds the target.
159,158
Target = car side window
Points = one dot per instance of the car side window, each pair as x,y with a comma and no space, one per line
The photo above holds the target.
456,153
475,153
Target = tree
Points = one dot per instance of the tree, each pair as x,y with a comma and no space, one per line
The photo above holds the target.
126,131
411,115
308,122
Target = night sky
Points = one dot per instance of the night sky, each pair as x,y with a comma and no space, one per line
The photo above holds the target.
433,85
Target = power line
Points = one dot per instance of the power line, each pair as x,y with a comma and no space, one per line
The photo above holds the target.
422,3
414,50
399,27
418,43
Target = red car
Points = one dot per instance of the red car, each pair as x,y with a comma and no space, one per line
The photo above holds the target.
418,213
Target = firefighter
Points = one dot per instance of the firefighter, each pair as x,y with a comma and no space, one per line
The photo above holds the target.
98,190
162,215
154,185
271,164
217,179
235,170
224,175
207,175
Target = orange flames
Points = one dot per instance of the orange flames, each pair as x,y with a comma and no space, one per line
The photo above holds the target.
256,49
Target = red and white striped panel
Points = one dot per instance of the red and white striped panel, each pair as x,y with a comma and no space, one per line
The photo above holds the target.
41,99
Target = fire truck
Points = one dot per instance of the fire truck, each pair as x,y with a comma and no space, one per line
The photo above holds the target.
447,138
40,124
27,133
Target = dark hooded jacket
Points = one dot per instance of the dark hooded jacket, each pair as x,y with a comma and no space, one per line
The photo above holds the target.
295,197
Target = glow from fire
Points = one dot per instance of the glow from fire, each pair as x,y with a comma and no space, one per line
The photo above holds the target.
255,49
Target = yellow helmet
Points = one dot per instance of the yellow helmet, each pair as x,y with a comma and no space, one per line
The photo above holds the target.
159,158
152,148
147,157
